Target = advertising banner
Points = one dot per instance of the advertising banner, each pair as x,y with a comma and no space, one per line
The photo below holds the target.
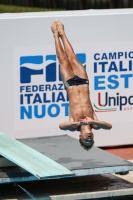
33,99
41,101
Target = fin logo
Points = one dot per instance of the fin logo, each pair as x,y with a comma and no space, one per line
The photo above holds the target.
49,72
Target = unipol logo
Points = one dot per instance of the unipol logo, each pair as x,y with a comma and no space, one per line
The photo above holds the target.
49,73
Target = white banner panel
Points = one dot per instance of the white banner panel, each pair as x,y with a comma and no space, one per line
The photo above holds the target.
40,97
33,98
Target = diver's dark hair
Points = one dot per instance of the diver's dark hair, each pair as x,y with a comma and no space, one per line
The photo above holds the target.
85,145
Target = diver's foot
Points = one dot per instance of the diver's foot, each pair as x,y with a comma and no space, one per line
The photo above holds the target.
54,28
60,28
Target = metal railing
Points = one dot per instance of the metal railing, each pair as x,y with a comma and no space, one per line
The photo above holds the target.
71,4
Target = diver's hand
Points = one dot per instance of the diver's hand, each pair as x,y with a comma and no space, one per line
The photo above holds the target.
86,121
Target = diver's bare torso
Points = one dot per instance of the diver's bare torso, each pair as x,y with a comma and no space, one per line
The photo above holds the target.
80,103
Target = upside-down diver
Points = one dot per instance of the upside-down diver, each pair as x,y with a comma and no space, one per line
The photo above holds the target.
82,116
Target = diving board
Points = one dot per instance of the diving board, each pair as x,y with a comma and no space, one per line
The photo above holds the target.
29,159
66,151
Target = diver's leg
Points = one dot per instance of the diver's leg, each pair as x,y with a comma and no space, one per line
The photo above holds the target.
65,67
77,67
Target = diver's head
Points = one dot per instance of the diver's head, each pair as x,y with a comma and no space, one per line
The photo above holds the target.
86,137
